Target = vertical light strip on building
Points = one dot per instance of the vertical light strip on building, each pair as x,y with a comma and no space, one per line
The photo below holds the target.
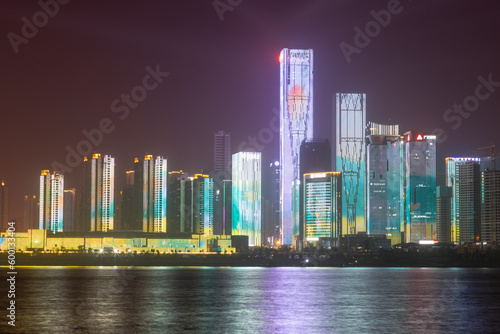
296,124
51,201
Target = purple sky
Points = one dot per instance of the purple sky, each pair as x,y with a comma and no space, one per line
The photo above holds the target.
225,75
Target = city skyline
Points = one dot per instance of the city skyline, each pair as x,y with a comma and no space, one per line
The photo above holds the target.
416,93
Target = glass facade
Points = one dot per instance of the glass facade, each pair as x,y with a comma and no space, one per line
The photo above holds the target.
420,161
322,205
296,124
246,193
350,159
51,201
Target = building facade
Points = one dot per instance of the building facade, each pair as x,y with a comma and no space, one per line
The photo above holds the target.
51,214
69,209
350,159
296,124
490,225
246,194
4,206
154,194
31,212
444,197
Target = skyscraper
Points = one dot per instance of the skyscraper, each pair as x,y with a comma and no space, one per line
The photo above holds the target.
128,205
246,193
203,204
174,200
4,206
222,152
31,212
154,209
296,124
350,159
383,181
420,159
98,195
227,213
51,201
466,193
443,213
322,206
69,210
490,225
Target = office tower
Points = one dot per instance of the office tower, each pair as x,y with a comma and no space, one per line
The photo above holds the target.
322,206
221,171
271,217
98,195
222,152
384,171
296,124
315,157
69,210
4,206
420,160
350,159
154,194
490,225
453,181
227,208
196,214
174,200
31,212
246,211
396,191
127,206
51,207
444,197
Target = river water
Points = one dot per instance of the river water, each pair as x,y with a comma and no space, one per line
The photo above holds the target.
255,300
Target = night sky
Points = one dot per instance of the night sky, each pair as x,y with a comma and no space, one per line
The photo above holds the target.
224,75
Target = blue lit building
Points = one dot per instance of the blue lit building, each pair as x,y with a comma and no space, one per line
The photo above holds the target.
420,169
296,124
384,181
246,193
350,159
154,194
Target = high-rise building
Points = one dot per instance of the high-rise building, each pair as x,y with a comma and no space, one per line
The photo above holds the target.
51,207
186,208
296,124
443,213
196,209
4,206
490,225
128,206
322,206
227,213
98,195
247,174
350,159
31,212
420,160
174,200
453,180
384,172
271,217
154,194
222,152
69,210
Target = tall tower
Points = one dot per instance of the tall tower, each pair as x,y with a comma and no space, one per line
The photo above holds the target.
221,172
350,159
154,209
31,212
443,213
296,124
384,171
69,210
490,227
247,174
4,206
174,200
98,198
51,201
420,158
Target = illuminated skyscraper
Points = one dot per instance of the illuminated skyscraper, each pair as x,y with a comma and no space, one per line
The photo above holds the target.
69,210
384,171
322,206
4,206
247,174
197,204
420,159
98,196
350,134
466,197
154,194
296,124
51,201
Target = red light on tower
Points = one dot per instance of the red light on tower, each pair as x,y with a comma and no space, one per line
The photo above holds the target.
408,138
279,58
420,138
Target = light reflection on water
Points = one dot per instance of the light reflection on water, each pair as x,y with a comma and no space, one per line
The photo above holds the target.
265,300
